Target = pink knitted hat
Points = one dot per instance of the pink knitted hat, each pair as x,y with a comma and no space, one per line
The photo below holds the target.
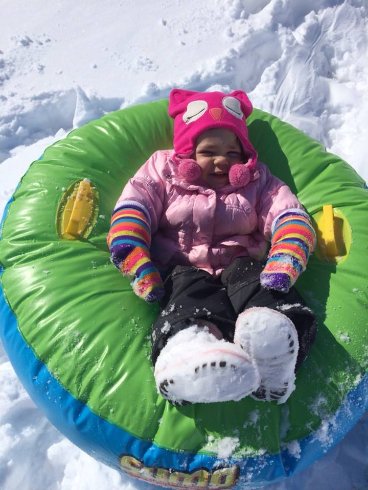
196,112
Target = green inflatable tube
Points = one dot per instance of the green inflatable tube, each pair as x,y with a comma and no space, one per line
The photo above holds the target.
78,337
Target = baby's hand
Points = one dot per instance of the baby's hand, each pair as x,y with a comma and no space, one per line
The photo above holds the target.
293,239
147,283
278,281
129,239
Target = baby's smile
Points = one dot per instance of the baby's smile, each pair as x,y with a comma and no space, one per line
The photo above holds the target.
217,150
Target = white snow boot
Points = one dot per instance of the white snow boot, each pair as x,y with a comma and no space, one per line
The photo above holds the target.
270,338
197,367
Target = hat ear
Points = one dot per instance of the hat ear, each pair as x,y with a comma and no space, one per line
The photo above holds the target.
246,104
176,99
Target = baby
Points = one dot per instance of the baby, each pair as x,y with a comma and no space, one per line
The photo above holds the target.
210,233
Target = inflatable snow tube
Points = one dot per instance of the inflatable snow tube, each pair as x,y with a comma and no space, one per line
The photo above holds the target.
78,337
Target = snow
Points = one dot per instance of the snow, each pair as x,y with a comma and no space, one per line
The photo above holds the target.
271,340
198,366
223,448
63,63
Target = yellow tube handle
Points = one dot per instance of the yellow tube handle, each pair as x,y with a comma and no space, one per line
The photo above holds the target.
79,211
326,227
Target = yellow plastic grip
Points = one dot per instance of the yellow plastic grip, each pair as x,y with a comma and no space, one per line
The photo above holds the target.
78,211
334,234
326,226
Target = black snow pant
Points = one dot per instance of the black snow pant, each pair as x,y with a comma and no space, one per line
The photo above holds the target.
193,293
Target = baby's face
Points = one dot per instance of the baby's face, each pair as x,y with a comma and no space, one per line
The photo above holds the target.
217,150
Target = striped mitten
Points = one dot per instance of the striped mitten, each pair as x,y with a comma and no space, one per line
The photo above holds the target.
129,240
293,239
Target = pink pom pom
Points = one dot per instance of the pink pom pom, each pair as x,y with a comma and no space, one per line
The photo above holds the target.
189,170
239,175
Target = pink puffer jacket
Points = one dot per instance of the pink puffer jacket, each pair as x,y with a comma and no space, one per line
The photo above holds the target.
192,224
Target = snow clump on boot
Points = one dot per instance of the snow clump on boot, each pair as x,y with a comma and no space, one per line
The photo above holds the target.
270,338
197,367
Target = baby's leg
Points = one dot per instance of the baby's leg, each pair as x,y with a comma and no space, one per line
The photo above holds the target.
244,290
193,360
191,294
277,329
